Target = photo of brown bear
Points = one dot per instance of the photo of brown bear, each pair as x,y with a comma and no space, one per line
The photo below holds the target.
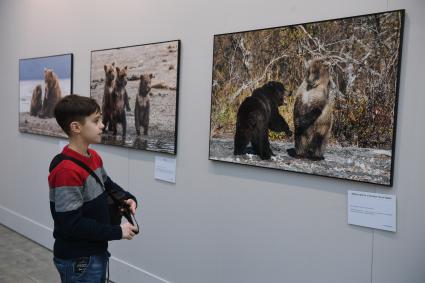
143,76
312,113
52,93
256,115
142,105
43,81
120,102
107,105
36,102
344,74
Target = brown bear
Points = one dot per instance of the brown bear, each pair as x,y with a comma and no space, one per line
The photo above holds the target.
142,105
119,101
107,105
256,115
36,101
52,93
312,113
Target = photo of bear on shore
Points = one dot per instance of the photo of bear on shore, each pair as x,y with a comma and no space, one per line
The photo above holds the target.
43,81
137,89
318,98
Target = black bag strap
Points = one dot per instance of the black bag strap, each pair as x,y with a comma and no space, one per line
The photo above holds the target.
60,157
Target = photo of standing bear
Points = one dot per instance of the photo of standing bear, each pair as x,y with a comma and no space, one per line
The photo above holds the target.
107,106
312,113
343,110
120,102
52,93
256,115
142,105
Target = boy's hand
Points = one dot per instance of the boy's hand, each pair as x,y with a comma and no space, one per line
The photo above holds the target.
127,231
132,204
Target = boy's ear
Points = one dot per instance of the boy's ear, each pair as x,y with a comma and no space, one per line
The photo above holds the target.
75,127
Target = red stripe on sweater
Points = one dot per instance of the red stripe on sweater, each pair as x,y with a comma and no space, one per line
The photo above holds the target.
67,173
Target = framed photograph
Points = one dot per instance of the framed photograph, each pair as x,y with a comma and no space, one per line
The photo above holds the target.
137,88
42,82
317,98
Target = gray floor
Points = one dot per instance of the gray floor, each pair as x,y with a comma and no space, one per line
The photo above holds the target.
24,261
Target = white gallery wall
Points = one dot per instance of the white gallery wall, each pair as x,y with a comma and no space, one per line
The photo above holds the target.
220,222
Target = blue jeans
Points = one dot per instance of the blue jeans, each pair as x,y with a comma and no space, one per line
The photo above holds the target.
84,269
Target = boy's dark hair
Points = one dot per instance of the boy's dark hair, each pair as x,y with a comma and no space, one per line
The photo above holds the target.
74,108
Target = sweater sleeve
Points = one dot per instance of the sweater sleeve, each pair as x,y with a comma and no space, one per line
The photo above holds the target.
68,202
115,189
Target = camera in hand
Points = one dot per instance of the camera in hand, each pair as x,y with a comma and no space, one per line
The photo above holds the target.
126,212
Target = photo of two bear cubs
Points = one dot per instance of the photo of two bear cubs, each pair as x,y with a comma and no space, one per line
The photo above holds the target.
259,113
43,106
340,120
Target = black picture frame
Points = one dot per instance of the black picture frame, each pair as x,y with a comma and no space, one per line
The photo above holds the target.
245,61
162,59
35,110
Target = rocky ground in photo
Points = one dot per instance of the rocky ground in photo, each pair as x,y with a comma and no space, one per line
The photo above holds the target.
36,125
353,163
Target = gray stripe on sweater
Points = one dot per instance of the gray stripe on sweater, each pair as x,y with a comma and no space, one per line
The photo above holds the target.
92,189
67,198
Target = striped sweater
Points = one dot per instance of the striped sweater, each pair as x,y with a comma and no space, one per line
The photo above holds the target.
79,207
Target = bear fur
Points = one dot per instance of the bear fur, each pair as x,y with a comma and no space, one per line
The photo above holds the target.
52,93
107,105
256,115
36,103
142,105
312,113
120,101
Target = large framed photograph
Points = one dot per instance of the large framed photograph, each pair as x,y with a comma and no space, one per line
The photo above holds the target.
42,82
317,98
137,88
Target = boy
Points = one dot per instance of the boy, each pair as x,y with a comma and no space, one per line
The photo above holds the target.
78,201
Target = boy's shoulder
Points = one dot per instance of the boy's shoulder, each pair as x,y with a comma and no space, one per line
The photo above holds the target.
65,172
95,155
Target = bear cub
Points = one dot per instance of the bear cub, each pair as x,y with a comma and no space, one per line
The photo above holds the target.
142,105
120,102
107,103
36,103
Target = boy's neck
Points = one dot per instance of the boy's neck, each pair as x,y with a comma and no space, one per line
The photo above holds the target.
79,146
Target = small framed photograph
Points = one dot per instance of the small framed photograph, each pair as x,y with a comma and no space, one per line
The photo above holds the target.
43,81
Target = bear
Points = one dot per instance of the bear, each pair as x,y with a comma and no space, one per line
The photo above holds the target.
142,105
256,115
36,103
107,106
119,102
312,113
52,93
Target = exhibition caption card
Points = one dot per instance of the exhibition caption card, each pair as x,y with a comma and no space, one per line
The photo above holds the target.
372,210
165,169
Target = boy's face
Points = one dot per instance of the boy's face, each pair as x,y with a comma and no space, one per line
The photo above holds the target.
91,130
